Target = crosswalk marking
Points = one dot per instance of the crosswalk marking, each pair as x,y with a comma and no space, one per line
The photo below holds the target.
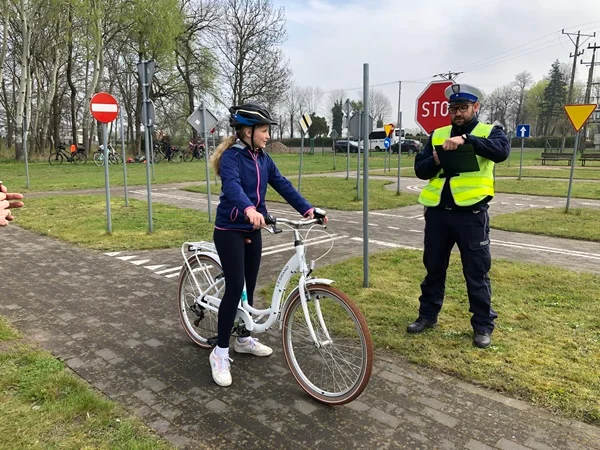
139,262
172,269
112,253
153,268
126,258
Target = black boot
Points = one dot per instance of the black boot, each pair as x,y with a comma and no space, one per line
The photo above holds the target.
420,325
481,339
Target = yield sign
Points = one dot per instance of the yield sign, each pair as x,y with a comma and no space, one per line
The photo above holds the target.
104,107
579,114
388,128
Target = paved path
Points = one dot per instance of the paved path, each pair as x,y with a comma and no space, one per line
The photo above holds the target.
114,322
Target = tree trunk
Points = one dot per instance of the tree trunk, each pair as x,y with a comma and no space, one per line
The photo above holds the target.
26,33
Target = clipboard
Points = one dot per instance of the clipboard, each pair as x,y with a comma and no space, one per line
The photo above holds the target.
455,162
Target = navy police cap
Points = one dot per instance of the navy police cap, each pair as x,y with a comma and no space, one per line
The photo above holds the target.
459,93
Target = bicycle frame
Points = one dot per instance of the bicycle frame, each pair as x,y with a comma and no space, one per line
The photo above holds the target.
250,315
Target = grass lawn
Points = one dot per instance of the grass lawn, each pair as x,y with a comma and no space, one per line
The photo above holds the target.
546,347
83,222
45,406
339,193
553,188
577,224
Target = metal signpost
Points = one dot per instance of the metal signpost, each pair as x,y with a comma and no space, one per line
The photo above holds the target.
105,109
367,126
333,135
399,126
355,128
146,72
124,158
578,115
347,120
202,120
305,123
523,132
387,144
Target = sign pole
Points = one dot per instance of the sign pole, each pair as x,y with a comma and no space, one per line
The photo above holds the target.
521,159
124,159
145,88
206,153
347,139
301,153
399,126
365,133
205,135
106,178
360,117
572,169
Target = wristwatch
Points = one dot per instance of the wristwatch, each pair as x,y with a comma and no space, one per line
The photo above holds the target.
465,137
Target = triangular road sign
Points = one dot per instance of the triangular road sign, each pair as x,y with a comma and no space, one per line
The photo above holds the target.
579,114
388,128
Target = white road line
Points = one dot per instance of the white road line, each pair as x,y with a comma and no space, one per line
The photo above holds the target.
373,225
291,246
372,213
126,258
386,244
139,262
287,244
351,221
173,275
393,228
590,204
112,253
421,218
416,231
172,269
519,204
415,217
154,268
541,248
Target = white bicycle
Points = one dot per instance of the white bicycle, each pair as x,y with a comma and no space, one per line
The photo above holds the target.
326,341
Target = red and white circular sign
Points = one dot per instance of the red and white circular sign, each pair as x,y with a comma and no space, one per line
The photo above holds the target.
432,107
104,107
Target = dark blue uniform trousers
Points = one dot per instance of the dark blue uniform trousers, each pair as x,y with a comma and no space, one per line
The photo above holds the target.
470,230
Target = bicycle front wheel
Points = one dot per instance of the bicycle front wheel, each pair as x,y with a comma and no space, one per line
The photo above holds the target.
200,323
99,158
56,158
338,369
188,156
175,157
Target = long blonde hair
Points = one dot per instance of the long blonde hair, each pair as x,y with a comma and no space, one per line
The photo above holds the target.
215,159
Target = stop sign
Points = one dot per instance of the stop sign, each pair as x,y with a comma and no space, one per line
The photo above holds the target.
104,107
432,107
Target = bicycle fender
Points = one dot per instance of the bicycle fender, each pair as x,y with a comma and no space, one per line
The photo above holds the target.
212,255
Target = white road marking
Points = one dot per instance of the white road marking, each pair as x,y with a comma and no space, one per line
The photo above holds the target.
173,275
373,225
287,244
126,258
112,253
415,217
172,269
372,213
140,262
416,231
351,221
542,248
393,228
154,268
386,244
291,246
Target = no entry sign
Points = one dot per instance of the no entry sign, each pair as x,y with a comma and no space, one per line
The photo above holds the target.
104,107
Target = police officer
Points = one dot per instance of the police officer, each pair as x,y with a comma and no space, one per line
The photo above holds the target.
456,212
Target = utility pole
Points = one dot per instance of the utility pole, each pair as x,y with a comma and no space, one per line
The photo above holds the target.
588,90
575,55
450,76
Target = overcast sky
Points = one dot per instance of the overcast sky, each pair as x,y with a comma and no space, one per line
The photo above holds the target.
490,40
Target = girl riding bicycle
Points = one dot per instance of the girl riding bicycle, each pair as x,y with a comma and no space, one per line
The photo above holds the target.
245,170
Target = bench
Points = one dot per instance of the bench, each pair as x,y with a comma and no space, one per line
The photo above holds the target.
589,156
556,157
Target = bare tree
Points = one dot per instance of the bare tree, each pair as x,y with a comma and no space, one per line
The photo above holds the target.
252,62
293,105
380,105
313,95
522,81
500,102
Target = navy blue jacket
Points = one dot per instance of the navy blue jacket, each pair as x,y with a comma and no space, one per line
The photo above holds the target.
496,147
244,177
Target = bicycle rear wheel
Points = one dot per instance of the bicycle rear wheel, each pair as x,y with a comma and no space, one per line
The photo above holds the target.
339,369
200,323
176,157
188,156
79,158
56,158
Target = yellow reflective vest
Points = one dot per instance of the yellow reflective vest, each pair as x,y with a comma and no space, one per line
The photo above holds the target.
469,187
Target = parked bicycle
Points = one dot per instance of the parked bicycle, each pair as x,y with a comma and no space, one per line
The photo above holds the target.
113,156
171,154
326,341
195,150
61,154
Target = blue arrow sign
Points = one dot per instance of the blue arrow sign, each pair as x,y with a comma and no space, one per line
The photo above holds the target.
387,142
523,130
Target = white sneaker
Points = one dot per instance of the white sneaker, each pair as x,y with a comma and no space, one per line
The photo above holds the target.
220,367
252,346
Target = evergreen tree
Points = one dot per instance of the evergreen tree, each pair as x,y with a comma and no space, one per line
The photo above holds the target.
553,100
337,114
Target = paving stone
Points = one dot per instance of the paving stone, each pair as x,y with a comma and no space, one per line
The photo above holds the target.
154,384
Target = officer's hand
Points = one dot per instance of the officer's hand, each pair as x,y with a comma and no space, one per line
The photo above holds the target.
453,143
436,158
